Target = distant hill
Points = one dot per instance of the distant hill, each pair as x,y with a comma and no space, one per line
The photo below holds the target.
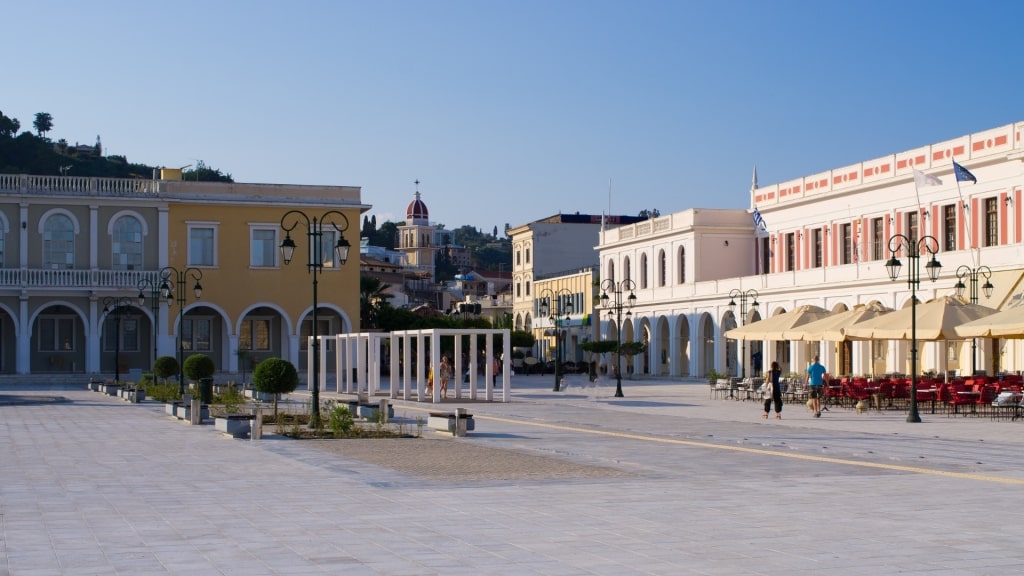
28,153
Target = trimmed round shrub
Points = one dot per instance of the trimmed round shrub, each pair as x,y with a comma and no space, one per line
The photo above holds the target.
275,376
199,366
165,367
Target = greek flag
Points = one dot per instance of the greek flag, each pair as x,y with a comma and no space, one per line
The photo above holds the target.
759,226
963,174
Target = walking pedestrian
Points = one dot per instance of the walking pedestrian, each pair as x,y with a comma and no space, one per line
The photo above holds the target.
774,392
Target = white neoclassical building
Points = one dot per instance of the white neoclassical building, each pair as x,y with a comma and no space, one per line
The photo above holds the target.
825,242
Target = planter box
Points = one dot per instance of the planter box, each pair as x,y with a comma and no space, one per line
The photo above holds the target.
236,425
369,411
110,389
447,422
184,412
172,408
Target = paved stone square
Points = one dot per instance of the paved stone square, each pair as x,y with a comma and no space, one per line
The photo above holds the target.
663,481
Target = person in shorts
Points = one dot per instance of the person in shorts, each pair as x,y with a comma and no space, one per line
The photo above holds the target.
815,383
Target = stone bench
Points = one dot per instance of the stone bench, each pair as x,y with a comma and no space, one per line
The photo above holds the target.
458,423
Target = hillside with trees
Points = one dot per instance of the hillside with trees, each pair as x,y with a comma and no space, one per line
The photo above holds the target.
27,153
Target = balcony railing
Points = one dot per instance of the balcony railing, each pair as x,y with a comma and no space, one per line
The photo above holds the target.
75,279
77,185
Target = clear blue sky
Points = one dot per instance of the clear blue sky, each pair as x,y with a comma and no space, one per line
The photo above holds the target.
510,111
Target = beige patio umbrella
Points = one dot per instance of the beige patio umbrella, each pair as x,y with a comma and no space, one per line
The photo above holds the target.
833,327
774,327
936,320
1006,324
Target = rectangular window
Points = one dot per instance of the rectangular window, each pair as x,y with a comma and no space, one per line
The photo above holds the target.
878,349
328,257
877,248
949,227
57,334
527,287
846,230
816,238
129,334
323,329
953,350
201,246
196,334
790,252
991,222
263,248
912,226
255,334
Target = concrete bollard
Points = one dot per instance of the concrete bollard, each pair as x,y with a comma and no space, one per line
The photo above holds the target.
460,422
195,412
256,430
383,410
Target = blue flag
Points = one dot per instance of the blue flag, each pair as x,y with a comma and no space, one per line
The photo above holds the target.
963,174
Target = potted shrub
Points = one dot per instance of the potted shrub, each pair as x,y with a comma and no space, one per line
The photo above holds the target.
199,368
165,367
275,376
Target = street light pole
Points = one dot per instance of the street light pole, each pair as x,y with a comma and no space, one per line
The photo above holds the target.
914,248
113,305
615,304
965,271
315,265
154,293
172,288
743,297
557,313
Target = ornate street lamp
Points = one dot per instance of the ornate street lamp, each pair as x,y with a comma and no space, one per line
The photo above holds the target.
914,248
315,257
965,271
558,308
743,297
117,306
614,304
154,294
171,277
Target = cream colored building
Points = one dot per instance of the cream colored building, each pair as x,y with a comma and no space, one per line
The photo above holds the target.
826,244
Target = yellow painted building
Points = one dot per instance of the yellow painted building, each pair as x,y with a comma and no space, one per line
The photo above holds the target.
83,261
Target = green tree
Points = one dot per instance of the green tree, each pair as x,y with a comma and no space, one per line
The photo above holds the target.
277,376
43,123
372,297
9,126
205,173
199,366
165,367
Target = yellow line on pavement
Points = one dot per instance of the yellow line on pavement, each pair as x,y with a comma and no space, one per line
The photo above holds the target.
762,451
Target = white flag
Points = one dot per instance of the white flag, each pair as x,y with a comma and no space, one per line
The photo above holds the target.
921,179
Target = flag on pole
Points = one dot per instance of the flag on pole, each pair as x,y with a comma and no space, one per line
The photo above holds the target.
963,174
921,179
759,226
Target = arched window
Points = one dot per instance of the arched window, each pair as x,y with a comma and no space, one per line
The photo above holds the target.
58,242
662,268
682,265
611,271
625,269
643,271
126,244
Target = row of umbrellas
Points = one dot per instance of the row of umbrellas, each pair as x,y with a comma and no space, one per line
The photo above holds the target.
944,318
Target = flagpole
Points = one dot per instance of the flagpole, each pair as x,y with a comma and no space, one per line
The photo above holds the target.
968,219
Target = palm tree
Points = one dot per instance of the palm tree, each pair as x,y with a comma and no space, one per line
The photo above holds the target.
372,295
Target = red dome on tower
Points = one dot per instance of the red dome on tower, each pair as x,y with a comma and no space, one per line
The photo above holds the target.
417,210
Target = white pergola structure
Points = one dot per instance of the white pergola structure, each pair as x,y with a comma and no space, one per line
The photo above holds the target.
359,361
405,343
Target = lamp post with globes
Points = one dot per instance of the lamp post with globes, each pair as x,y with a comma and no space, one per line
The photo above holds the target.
615,304
118,306
965,271
743,296
329,223
172,288
557,307
915,248
154,303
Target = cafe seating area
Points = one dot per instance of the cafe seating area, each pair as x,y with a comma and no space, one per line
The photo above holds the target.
997,397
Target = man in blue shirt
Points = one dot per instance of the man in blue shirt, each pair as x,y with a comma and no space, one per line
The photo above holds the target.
816,380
